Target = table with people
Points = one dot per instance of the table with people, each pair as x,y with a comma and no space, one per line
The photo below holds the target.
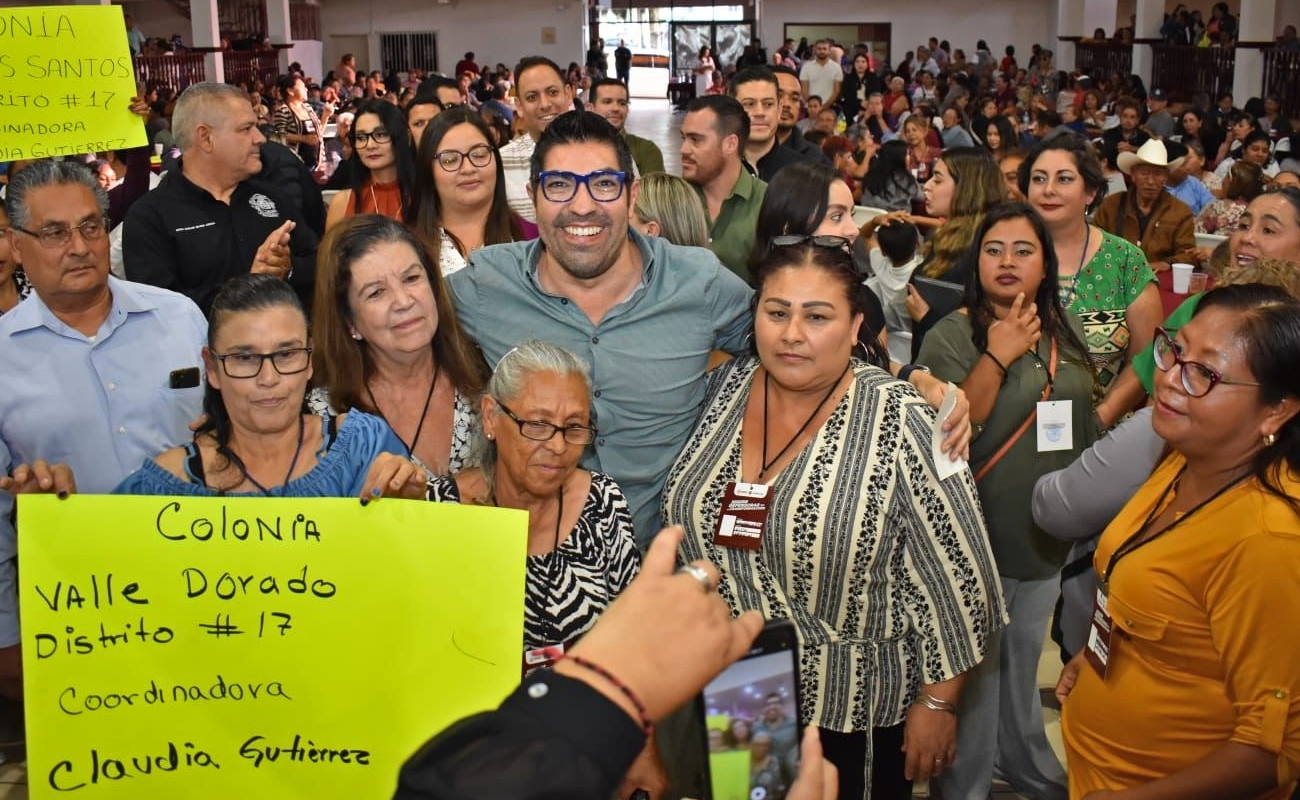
509,303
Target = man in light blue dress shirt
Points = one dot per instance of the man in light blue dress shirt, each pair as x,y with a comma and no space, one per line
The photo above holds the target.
100,373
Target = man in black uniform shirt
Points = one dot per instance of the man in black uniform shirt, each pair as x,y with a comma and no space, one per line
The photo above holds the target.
207,222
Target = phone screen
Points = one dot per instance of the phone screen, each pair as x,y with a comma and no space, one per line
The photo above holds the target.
752,719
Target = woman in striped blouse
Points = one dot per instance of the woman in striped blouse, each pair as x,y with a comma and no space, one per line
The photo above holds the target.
883,565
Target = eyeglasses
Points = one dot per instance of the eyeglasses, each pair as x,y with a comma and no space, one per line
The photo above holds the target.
1197,378
604,186
791,239
249,365
54,236
450,160
379,135
540,431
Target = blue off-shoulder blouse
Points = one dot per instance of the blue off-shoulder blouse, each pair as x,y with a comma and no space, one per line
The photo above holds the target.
339,472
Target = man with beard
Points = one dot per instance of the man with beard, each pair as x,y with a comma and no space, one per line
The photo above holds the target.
789,94
756,90
714,132
645,314
609,99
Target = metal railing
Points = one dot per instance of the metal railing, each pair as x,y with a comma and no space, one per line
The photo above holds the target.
1281,68
1100,60
246,66
1183,71
178,70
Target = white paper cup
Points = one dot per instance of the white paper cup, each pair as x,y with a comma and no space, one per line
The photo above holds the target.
1182,277
157,149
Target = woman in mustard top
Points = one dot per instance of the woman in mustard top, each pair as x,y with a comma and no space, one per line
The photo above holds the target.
1195,690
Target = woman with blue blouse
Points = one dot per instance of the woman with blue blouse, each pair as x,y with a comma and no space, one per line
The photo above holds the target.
255,440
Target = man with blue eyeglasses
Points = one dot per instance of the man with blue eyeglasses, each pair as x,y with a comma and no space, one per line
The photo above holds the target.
645,313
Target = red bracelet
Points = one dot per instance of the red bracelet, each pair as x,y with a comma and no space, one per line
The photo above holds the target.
647,727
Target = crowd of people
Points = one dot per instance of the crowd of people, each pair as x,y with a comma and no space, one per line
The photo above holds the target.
906,437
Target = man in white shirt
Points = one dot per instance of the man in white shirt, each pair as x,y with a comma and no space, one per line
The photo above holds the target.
822,76
543,96
924,63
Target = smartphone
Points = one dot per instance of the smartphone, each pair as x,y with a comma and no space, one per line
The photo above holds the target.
751,714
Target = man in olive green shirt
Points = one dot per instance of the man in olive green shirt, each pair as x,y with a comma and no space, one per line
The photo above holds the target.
714,133
609,99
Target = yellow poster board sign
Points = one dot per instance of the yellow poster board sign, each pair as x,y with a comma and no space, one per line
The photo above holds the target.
258,647
66,82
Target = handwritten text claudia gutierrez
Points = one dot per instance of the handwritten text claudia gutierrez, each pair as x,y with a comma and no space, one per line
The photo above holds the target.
102,766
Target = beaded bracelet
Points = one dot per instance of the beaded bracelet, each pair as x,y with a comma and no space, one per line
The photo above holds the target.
647,727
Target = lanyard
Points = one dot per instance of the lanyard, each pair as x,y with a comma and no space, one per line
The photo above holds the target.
1136,541
765,464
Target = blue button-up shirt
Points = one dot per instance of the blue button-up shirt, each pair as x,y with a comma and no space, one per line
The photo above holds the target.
102,404
647,356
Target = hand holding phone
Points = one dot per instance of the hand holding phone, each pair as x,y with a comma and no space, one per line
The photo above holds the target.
751,713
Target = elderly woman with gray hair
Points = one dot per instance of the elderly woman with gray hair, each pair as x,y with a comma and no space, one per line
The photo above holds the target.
536,422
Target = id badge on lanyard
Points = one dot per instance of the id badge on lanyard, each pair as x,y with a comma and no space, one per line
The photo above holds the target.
743,518
1100,630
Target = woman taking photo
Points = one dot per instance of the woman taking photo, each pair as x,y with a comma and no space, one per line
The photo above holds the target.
839,455
1105,281
388,343
1011,347
297,123
254,439
459,203
383,166
1193,697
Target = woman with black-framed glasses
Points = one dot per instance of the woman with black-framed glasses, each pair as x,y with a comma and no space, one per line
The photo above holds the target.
1184,687
383,166
536,423
459,203
255,439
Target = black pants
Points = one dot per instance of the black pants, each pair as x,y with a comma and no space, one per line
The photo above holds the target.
848,752
624,74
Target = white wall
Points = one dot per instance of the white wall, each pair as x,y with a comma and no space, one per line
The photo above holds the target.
494,30
1017,22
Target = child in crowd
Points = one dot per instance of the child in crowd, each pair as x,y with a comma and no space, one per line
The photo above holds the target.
892,262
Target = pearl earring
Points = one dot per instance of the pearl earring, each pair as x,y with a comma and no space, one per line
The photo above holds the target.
356,336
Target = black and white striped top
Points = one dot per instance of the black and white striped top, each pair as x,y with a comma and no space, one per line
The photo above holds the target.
567,589
885,570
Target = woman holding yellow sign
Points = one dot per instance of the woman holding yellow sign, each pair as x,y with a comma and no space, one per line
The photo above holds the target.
255,440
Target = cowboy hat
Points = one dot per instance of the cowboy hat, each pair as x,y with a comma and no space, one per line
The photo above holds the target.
1153,153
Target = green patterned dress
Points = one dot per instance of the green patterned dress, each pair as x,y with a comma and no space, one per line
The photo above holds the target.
1100,294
